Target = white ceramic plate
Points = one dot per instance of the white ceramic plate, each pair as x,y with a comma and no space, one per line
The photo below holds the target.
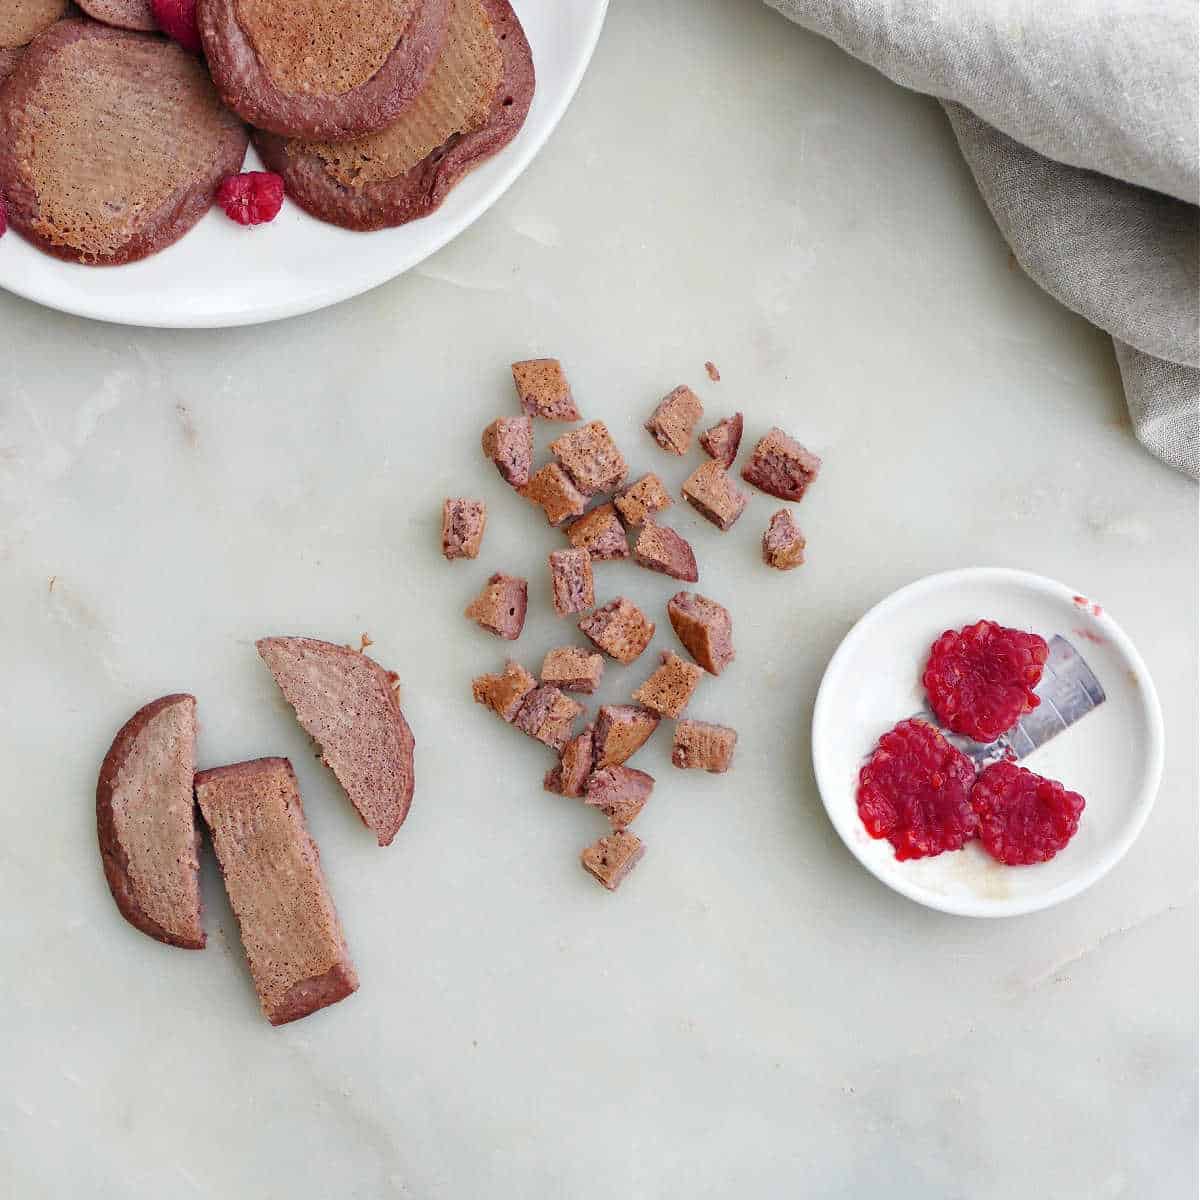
1109,749
220,274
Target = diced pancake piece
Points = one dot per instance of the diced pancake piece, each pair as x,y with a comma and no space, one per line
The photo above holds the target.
670,688
543,389
112,144
571,579
663,550
310,173
548,715
463,523
321,68
500,607
552,490
622,730
781,467
620,793
573,669
783,543
504,693
145,819
642,500
591,458
570,776
272,869
674,420
714,495
508,442
723,440
611,858
22,20
600,533
705,628
703,747
348,704
620,629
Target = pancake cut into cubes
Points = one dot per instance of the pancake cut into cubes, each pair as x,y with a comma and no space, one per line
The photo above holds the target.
573,669
610,859
701,746
145,819
570,776
112,144
347,703
622,730
501,606
375,183
600,532
321,68
620,793
782,542
723,440
505,691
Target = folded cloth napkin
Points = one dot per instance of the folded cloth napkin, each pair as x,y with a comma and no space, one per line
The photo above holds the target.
1080,123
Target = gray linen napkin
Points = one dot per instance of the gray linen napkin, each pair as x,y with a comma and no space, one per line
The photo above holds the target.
1080,120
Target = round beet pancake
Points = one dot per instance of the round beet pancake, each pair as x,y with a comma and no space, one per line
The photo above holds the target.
320,178
22,20
321,68
112,143
124,14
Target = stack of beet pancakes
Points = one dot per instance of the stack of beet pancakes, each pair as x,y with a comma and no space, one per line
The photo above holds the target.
114,139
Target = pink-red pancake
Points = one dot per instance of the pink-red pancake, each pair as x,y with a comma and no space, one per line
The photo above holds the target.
124,14
321,68
112,144
311,174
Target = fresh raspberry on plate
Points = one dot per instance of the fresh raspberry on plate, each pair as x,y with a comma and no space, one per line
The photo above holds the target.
252,197
980,679
1023,817
177,19
916,792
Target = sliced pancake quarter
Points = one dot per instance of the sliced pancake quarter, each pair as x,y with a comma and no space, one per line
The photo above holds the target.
124,14
347,703
22,20
321,68
477,99
145,819
112,143
272,871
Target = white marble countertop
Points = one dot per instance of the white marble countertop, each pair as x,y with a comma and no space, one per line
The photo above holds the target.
753,1015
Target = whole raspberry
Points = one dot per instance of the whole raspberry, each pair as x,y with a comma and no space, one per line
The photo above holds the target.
916,792
980,680
1023,818
177,19
251,197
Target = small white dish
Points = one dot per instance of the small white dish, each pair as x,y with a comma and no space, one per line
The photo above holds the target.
1112,754
219,274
